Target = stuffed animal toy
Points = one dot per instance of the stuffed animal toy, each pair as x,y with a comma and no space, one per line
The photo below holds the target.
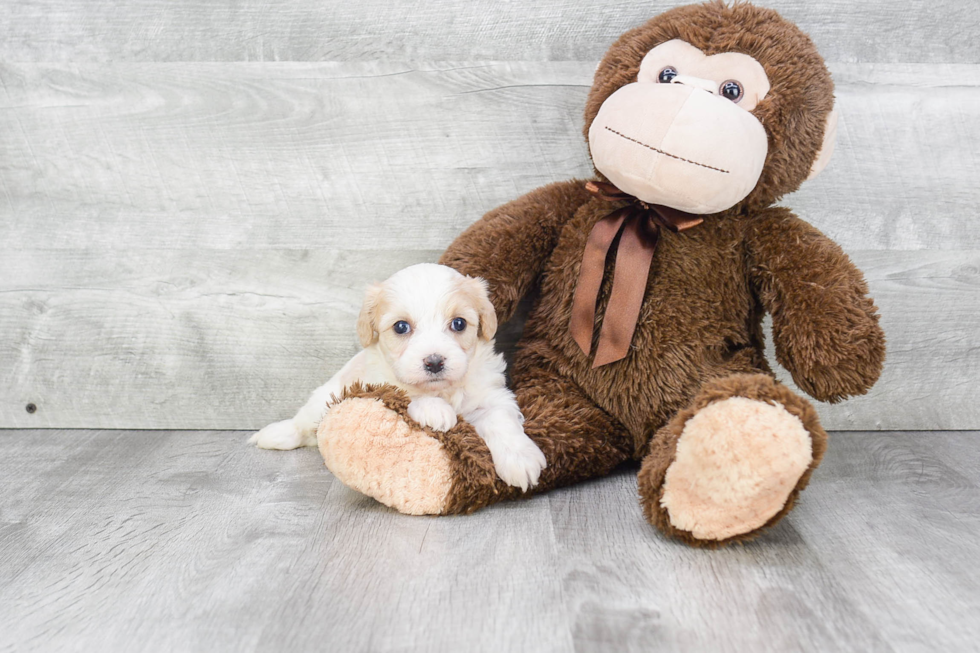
649,284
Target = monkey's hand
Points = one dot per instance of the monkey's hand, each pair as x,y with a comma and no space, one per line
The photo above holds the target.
824,325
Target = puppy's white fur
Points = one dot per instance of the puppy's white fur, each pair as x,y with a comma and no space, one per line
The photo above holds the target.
471,382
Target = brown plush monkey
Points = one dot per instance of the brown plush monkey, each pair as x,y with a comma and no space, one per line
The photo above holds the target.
645,338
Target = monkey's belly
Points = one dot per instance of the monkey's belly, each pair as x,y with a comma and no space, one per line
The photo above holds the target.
683,337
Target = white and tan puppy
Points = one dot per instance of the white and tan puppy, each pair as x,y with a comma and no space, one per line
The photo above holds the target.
429,331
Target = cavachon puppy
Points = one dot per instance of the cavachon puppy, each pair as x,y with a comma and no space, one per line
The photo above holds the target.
428,330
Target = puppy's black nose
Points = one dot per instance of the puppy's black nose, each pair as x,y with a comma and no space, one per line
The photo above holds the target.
433,363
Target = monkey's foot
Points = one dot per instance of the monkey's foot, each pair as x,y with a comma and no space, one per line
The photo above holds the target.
731,464
372,445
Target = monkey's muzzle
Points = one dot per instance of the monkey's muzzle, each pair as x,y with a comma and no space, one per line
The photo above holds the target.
678,146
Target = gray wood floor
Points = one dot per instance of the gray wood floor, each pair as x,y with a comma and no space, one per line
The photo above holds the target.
164,540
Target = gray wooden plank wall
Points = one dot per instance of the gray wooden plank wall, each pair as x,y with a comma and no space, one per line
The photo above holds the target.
195,194
932,31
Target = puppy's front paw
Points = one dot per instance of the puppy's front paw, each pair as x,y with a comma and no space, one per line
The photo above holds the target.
282,435
518,460
432,412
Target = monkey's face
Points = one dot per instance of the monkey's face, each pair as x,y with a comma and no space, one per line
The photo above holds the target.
711,107
683,134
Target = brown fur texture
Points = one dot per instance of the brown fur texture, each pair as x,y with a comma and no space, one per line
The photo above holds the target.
699,336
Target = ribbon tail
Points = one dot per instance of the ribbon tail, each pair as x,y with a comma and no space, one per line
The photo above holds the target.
607,191
633,259
590,278
675,220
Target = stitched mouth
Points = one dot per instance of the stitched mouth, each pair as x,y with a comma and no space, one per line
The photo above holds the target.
659,151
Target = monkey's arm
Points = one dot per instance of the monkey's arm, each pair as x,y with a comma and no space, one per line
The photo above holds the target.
824,325
509,245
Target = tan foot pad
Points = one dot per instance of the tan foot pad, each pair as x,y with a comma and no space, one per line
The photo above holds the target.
736,463
371,449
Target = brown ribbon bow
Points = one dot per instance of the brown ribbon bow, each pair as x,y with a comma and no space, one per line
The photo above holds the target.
640,225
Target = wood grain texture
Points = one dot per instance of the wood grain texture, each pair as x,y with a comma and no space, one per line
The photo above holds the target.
161,541
183,245
179,338
939,502
373,156
395,156
236,339
872,559
300,30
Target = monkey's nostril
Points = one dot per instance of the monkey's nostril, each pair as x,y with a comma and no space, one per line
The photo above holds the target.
433,363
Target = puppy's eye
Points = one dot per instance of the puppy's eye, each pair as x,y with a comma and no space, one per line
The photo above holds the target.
458,324
401,327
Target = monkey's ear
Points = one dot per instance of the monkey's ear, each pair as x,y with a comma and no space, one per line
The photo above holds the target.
827,149
367,321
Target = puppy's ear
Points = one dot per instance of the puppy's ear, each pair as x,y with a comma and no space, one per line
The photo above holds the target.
480,295
367,321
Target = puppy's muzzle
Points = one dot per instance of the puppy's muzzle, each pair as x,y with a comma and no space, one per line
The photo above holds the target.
433,363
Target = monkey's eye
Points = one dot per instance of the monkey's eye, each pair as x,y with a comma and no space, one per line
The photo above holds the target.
401,327
731,90
458,324
666,75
